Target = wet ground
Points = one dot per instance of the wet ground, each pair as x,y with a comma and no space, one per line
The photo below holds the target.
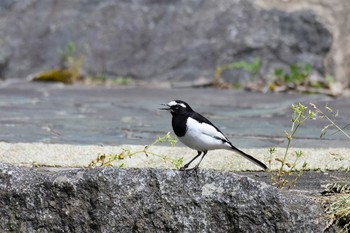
98,115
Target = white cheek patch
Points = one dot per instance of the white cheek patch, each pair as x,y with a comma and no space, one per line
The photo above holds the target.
173,103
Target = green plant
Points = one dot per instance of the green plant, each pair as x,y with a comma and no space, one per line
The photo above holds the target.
72,61
97,79
339,211
336,188
102,79
331,119
299,78
339,208
298,74
69,70
121,80
329,80
286,175
108,159
253,68
69,51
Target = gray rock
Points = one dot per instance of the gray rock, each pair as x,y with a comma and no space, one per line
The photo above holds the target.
164,40
332,14
148,200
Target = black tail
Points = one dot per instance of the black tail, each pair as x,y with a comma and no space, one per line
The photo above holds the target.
250,158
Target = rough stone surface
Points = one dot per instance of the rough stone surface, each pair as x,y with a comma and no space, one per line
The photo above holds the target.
163,40
332,14
148,200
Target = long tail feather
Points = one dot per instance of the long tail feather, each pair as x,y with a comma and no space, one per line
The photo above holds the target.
250,158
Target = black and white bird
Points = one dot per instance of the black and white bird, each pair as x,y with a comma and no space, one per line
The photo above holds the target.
198,133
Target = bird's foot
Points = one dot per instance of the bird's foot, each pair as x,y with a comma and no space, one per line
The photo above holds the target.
184,168
191,170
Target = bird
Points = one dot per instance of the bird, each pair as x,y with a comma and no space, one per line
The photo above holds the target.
198,133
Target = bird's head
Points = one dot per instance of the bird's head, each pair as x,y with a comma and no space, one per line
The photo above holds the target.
177,107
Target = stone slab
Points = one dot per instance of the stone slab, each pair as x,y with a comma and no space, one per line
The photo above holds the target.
100,115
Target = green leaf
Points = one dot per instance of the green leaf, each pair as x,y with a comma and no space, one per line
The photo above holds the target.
279,72
307,69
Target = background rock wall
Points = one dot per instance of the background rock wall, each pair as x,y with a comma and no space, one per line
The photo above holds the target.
335,16
175,40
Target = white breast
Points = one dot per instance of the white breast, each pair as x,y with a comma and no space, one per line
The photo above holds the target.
203,137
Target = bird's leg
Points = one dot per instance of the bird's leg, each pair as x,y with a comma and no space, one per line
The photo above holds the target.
196,167
188,164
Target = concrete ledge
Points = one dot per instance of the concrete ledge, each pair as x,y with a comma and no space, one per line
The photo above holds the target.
64,155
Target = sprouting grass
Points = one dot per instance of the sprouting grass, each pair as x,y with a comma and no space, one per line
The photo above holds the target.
331,118
339,208
339,212
70,71
298,77
108,80
286,175
253,68
103,160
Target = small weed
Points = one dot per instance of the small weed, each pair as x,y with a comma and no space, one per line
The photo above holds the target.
121,80
72,61
106,80
339,212
336,188
68,52
298,75
253,68
331,118
297,78
329,79
286,175
339,209
97,79
70,70
108,160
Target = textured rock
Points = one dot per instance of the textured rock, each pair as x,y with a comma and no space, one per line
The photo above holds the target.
148,200
334,15
177,40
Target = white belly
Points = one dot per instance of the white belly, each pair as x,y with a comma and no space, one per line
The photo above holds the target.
199,139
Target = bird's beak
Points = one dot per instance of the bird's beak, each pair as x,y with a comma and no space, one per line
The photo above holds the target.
166,108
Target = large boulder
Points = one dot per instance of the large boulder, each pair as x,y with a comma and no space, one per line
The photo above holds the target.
163,40
148,200
334,16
